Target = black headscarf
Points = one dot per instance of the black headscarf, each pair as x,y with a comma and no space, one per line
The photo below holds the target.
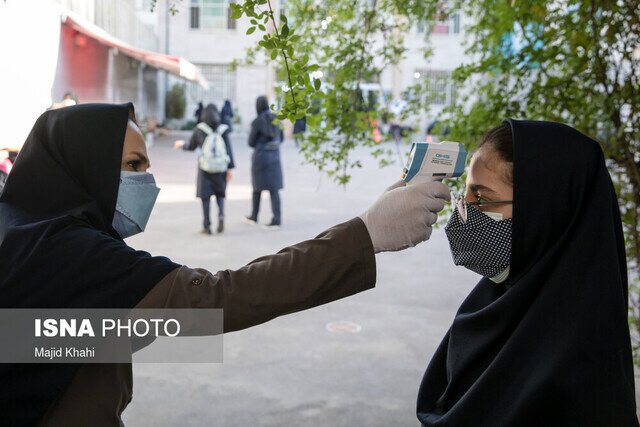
263,124
226,108
262,104
58,248
211,116
550,345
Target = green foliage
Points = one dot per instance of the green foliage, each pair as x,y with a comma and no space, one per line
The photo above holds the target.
172,5
278,44
176,101
326,51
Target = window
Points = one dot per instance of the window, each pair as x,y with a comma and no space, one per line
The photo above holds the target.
440,89
222,85
195,18
456,22
231,23
211,15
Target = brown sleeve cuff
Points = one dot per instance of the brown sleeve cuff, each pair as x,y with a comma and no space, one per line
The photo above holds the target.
367,253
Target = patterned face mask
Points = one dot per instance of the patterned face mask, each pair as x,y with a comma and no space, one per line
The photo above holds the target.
480,242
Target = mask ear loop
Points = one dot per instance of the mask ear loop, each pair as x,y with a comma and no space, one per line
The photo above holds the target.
459,203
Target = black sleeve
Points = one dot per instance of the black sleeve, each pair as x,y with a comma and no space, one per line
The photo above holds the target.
196,140
227,143
255,133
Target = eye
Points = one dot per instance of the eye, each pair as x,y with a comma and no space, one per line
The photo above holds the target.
480,199
134,164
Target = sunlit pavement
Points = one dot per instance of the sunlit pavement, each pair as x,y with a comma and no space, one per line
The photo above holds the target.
293,371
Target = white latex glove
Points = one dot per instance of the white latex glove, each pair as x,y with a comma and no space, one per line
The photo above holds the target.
403,215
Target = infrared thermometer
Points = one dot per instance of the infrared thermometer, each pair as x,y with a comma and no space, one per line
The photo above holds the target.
435,160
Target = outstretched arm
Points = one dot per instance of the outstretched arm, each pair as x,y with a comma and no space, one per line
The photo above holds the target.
338,263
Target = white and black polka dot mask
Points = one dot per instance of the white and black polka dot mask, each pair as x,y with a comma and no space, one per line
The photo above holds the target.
481,244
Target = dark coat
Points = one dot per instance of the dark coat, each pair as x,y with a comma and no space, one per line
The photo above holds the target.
266,169
226,115
300,126
210,184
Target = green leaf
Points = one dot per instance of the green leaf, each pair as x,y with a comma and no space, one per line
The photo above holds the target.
317,84
274,54
236,11
285,31
262,27
251,30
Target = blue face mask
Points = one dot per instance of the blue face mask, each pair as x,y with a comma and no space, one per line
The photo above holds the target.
136,196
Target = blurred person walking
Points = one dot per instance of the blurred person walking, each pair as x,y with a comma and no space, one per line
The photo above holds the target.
198,112
299,128
266,169
226,114
210,139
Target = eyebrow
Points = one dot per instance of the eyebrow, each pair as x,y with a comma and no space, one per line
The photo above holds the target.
143,158
479,187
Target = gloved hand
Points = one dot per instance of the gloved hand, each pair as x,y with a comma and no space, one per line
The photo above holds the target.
403,215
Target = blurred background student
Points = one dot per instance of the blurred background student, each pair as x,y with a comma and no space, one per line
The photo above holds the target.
266,169
210,139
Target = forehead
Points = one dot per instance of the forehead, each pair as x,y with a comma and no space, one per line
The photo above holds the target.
487,168
133,138
481,164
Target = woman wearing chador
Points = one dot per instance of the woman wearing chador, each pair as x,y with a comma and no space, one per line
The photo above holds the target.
266,169
542,339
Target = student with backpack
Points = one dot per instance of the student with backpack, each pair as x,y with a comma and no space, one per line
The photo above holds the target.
210,139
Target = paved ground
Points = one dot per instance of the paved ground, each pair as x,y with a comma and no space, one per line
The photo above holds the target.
293,371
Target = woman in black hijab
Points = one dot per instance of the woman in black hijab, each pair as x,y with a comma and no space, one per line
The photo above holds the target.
79,186
543,338
266,169
226,114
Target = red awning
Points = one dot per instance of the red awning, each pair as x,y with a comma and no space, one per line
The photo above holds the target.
173,64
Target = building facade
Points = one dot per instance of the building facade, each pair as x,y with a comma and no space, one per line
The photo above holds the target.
203,32
447,53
